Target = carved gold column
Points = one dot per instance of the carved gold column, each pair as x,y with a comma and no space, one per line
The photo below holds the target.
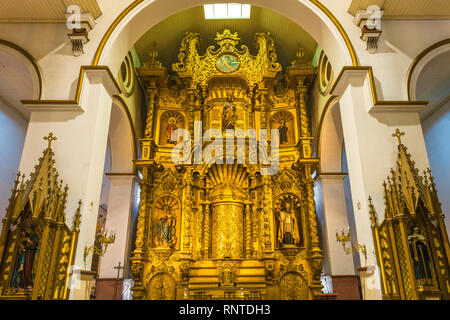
206,230
193,100
315,254
200,213
153,75
264,107
187,237
248,232
305,132
299,76
152,96
139,253
267,221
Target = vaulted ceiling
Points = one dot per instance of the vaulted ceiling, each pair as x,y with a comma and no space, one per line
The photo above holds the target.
167,35
406,9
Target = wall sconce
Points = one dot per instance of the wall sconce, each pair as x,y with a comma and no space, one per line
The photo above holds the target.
104,240
344,238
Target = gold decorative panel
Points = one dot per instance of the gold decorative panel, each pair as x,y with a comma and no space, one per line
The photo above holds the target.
227,230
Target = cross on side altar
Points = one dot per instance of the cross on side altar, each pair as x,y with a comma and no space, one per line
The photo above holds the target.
399,135
118,267
50,138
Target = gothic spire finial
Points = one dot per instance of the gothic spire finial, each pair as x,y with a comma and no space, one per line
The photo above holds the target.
50,138
399,135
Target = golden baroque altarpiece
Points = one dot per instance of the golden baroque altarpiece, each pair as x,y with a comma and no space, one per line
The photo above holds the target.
218,231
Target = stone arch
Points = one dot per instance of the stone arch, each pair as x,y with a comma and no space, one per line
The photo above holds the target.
23,79
20,79
429,80
330,138
419,64
141,15
122,138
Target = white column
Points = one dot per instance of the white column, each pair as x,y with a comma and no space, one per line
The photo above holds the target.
335,220
81,128
118,217
371,152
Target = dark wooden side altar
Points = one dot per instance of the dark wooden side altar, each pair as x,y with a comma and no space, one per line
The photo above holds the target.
37,248
411,242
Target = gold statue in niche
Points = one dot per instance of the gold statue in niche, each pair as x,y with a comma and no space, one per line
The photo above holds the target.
283,121
288,232
171,127
283,129
226,215
229,113
166,222
288,211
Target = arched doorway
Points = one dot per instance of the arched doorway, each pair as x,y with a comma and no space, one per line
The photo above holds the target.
117,212
20,79
429,80
142,15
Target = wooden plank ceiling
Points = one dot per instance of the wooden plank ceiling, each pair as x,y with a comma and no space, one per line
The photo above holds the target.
406,9
43,10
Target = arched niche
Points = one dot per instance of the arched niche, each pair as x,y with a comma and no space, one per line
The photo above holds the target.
142,15
21,77
166,222
330,138
284,122
295,205
429,80
168,123
122,140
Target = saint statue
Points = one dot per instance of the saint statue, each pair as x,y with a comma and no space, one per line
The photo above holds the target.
288,230
229,113
23,272
165,229
283,132
421,258
171,127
